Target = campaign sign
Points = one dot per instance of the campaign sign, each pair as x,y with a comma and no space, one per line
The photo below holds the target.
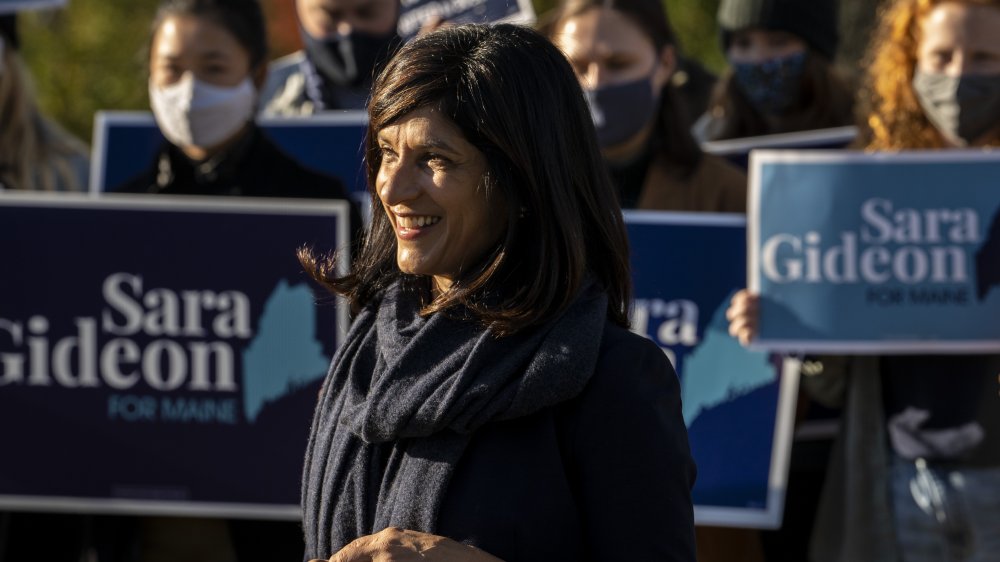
876,253
126,144
161,355
414,14
738,150
738,404
14,6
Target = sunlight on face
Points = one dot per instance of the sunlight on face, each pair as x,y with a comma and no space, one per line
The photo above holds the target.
605,47
197,45
430,182
959,38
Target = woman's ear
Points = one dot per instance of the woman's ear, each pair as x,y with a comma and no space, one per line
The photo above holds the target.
665,67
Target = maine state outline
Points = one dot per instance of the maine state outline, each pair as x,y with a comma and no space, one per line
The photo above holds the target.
720,370
285,354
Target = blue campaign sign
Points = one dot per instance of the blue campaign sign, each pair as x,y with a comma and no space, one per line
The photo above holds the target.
14,6
126,142
414,14
877,253
738,404
738,150
161,355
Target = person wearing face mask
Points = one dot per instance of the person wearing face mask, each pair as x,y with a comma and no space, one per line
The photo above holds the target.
206,63
915,474
207,60
781,78
625,53
35,153
344,43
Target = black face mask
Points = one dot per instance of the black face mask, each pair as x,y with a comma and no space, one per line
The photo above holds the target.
350,60
963,108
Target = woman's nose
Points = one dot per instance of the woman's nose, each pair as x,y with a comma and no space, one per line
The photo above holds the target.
396,184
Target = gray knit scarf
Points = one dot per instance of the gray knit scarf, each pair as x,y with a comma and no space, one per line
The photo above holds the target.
403,397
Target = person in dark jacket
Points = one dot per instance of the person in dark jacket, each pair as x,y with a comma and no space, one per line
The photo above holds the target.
489,401
207,62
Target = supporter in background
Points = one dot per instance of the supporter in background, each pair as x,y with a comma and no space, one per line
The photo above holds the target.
345,42
781,77
624,55
35,153
915,474
207,60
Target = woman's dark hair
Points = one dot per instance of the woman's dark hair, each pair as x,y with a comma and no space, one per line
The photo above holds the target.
243,18
824,101
514,97
672,137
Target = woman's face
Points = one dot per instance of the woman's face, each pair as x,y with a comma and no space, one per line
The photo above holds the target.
606,48
197,45
755,45
622,70
430,182
958,38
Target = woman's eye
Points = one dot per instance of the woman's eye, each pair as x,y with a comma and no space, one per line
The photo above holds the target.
618,64
215,70
437,161
940,58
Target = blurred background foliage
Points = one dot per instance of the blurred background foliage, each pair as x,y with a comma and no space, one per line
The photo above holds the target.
91,54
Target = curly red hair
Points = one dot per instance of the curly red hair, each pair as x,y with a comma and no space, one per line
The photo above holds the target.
894,115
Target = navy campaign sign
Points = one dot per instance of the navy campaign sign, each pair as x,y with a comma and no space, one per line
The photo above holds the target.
738,404
876,253
414,14
125,143
161,355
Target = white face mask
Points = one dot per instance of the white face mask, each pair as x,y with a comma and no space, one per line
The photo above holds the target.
193,113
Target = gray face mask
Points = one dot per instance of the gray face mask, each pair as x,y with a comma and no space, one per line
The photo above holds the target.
963,108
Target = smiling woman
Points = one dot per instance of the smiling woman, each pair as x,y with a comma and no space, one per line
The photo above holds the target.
430,186
488,400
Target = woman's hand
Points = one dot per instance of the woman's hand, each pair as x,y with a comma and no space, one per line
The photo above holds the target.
400,545
743,314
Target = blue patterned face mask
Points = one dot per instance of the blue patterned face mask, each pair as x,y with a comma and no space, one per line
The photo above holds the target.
772,86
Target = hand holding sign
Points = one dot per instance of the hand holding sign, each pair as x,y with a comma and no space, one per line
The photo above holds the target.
743,314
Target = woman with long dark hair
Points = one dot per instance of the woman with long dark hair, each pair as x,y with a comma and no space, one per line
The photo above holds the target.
489,401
